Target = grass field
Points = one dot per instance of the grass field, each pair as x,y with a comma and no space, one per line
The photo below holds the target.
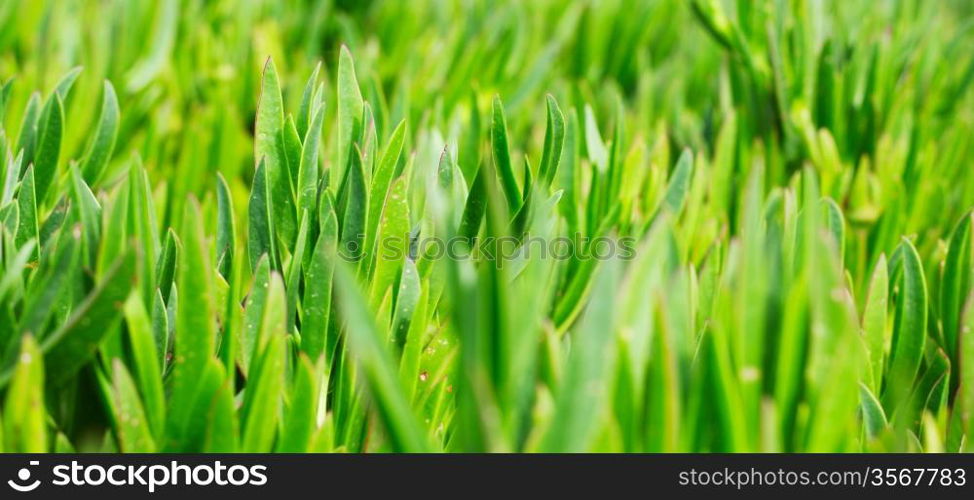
486,226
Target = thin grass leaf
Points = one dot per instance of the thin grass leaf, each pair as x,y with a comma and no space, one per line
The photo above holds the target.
474,209
955,283
195,330
133,430
24,416
909,328
308,171
873,416
102,142
299,420
354,208
350,108
317,294
166,264
11,176
26,210
50,129
48,288
266,375
368,346
221,431
964,402
292,284
27,138
260,234
554,139
89,213
579,396
64,85
254,314
392,242
145,356
679,183
381,180
270,151
226,233
502,156
74,343
874,323
292,153
307,109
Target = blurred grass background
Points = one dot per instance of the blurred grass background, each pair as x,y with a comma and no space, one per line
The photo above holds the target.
870,102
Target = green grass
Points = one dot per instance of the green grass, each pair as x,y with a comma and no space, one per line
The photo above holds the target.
215,221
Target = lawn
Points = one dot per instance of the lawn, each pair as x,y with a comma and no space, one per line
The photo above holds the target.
486,226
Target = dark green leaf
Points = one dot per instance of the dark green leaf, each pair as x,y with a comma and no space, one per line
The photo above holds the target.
102,143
